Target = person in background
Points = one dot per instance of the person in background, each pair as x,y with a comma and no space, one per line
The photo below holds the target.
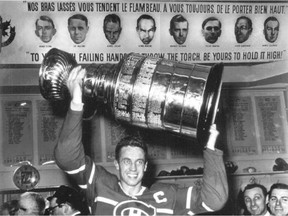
45,28
67,201
271,29
278,199
112,28
179,28
255,199
108,194
146,28
9,208
78,28
211,29
31,203
243,29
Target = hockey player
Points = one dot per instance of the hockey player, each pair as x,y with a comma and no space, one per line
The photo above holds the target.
108,194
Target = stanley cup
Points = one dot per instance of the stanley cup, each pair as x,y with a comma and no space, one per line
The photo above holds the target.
144,91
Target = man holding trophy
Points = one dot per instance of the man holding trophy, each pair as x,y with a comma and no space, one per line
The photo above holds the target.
108,194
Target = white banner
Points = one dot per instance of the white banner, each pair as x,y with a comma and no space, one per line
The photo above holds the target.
24,41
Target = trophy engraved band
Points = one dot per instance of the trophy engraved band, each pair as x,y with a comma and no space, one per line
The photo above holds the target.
143,91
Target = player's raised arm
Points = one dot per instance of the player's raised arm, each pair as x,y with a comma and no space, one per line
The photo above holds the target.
212,193
69,151
215,188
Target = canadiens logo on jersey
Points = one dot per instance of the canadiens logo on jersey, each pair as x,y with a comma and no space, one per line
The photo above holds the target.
134,208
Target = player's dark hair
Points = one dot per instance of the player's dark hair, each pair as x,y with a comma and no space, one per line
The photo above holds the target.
177,18
45,18
254,185
130,141
249,21
146,16
272,18
277,186
78,16
112,18
210,19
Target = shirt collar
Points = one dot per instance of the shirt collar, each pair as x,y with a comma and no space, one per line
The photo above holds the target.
135,196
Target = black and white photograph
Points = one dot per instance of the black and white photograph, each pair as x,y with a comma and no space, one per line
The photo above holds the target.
128,107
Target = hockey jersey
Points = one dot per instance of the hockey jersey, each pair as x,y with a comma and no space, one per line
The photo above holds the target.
106,196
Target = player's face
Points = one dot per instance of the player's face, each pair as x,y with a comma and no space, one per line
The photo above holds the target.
26,206
278,202
45,30
242,31
212,31
78,30
255,201
271,31
146,30
131,166
180,31
112,32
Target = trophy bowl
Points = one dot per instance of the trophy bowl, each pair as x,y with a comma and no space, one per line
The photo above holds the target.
144,91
